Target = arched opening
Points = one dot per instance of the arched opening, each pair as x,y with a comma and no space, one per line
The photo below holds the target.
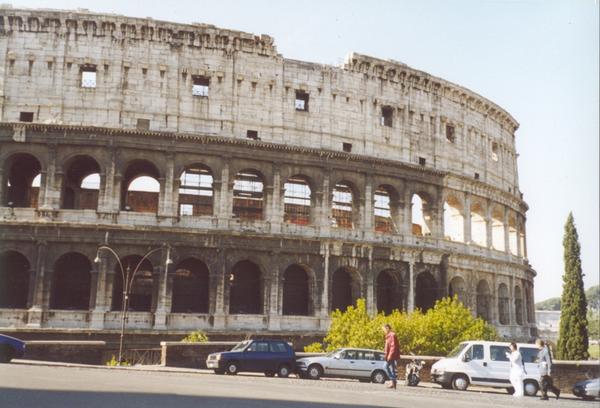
512,234
14,280
140,297
82,184
141,188
342,206
518,305
503,304
498,228
23,181
245,292
478,226
384,222
297,201
248,196
458,287
454,221
296,297
420,214
71,282
426,291
389,297
190,287
344,289
484,301
196,191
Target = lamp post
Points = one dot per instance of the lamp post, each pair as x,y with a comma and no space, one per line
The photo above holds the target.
127,278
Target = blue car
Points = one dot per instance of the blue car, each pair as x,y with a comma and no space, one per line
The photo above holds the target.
10,348
263,356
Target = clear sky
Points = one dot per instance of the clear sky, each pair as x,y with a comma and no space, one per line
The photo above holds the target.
538,59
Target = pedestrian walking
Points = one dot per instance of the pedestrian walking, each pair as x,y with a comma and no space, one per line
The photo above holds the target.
392,354
517,370
545,364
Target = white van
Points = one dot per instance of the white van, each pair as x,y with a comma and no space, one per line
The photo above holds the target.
485,363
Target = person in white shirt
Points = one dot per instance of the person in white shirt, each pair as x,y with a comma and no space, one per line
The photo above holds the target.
517,370
545,363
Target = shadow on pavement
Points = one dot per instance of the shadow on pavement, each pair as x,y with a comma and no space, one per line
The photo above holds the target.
18,397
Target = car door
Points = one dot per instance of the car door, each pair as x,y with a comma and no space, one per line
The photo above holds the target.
368,363
499,366
278,354
338,365
529,355
474,364
256,357
351,361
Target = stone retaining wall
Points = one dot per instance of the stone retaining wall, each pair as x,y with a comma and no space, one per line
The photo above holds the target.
81,352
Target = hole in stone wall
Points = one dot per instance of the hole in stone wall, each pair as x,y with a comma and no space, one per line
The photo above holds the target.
301,102
297,201
14,280
341,290
190,287
71,283
450,133
245,289
88,76
387,116
295,291
347,147
248,196
196,191
26,117
200,85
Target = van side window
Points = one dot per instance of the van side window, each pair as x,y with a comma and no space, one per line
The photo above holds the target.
529,354
498,353
475,352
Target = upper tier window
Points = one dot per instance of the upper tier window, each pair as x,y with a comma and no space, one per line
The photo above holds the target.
200,85
450,133
301,101
88,76
387,116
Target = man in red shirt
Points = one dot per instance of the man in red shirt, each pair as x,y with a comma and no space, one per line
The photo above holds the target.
392,354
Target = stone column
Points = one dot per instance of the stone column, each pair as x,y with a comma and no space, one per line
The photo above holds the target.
3,198
324,207
506,232
274,214
220,311
50,184
163,303
165,196
274,313
488,225
225,206
100,305
524,232
467,219
518,228
324,313
106,195
411,285
367,214
511,301
406,227
35,312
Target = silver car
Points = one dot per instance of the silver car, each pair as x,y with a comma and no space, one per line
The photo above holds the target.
361,364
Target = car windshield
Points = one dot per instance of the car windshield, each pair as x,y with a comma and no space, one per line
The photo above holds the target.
457,350
332,353
241,346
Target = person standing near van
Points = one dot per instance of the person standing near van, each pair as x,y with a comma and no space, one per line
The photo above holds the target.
517,370
545,364
392,354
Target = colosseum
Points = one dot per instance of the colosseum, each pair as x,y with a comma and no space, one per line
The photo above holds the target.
241,190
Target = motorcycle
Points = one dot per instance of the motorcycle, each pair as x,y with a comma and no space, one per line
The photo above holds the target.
412,376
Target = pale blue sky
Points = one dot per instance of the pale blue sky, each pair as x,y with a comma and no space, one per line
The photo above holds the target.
538,59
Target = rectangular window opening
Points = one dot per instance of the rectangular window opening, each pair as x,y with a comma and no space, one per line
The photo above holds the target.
252,134
88,76
422,161
143,124
26,117
200,85
301,101
494,151
450,136
387,116
347,147
476,176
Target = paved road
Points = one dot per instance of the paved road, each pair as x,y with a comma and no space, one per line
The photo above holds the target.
37,386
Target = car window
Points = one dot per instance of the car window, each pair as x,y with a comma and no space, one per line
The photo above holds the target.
529,354
277,347
350,355
369,355
457,350
240,346
498,353
379,357
259,346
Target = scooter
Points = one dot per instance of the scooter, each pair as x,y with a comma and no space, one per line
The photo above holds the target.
412,376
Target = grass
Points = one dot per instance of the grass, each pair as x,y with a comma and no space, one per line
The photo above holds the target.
594,351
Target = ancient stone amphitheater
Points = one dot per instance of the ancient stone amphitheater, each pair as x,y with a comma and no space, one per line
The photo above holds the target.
245,190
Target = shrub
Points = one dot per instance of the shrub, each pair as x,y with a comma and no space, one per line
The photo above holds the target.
197,336
314,348
113,362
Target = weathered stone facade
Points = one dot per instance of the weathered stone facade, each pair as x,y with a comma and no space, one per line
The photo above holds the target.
284,189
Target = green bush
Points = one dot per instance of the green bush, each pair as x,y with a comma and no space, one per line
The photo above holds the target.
435,332
314,348
197,336
113,362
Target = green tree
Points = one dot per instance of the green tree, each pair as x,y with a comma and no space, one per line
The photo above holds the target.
592,296
573,335
197,336
548,304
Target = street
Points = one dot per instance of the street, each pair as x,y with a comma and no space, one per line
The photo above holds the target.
39,386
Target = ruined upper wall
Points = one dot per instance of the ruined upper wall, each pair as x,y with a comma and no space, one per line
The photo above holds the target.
145,70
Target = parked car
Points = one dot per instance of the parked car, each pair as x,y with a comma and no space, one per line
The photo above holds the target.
267,356
587,389
361,364
10,348
485,363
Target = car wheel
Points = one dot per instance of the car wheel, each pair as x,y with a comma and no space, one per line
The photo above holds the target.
283,371
510,390
269,373
460,382
232,368
379,377
6,353
220,372
314,372
530,388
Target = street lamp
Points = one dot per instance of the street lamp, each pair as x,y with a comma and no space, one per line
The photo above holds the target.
128,279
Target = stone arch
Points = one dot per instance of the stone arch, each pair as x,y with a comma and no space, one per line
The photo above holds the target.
140,187
142,288
454,221
297,200
484,301
190,292
344,208
71,282
296,291
385,205
14,280
195,194
81,187
503,304
245,288
478,224
23,174
518,305
458,287
345,288
389,291
426,291
248,195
